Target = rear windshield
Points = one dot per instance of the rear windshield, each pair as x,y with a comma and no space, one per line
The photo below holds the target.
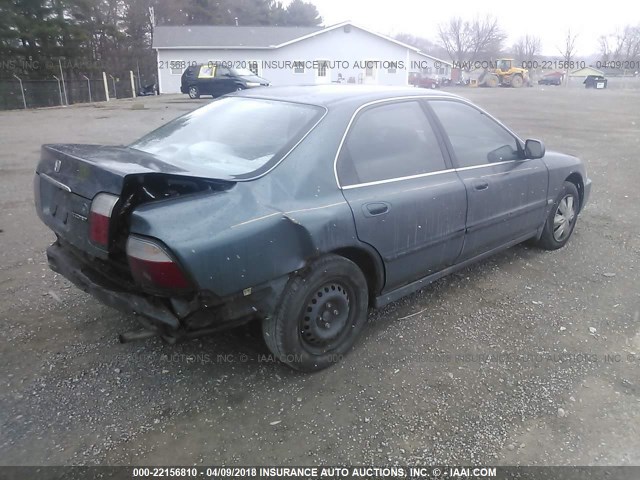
235,136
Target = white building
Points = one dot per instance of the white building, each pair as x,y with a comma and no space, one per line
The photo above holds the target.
292,55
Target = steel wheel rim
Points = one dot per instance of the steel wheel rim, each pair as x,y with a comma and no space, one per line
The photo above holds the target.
564,218
326,318
193,92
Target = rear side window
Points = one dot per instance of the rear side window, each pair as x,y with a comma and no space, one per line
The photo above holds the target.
387,142
476,139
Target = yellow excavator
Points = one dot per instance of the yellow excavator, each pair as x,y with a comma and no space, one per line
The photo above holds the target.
504,74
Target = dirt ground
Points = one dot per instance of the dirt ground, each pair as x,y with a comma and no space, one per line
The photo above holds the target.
530,357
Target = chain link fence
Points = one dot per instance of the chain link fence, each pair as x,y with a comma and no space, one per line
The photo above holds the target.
56,92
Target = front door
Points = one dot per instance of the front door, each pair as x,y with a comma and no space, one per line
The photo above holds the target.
406,200
507,193
223,82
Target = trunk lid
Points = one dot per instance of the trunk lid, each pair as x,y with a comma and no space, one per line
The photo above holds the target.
90,169
69,176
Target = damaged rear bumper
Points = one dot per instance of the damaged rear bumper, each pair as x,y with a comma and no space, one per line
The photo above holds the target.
170,318
89,280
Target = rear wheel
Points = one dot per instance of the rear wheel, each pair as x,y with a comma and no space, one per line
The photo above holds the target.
194,92
562,218
321,314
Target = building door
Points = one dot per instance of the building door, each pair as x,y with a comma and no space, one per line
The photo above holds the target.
323,73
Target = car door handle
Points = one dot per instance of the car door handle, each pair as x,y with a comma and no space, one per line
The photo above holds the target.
377,208
480,184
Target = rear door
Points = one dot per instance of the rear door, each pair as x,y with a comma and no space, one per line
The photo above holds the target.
406,200
507,193
205,81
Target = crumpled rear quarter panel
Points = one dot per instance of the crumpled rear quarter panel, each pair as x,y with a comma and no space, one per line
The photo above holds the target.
258,230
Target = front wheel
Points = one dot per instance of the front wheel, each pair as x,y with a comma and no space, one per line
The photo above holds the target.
517,81
562,218
194,92
322,312
492,81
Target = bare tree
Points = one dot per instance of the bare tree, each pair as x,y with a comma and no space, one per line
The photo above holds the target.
424,44
487,37
568,51
527,48
467,41
456,40
622,45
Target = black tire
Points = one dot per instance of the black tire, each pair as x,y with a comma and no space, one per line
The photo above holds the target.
322,312
517,81
194,92
492,81
550,240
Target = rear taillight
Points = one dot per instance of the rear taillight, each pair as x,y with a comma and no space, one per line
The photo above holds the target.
151,266
99,217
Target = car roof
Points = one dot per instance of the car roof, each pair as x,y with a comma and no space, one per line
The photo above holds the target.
327,95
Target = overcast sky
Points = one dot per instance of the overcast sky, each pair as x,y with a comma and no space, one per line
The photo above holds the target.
548,19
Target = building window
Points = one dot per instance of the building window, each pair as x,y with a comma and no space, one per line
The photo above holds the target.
298,67
391,69
253,66
176,67
441,71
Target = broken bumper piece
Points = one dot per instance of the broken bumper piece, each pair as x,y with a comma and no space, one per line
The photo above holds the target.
64,262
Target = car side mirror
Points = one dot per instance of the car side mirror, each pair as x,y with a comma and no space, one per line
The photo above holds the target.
534,149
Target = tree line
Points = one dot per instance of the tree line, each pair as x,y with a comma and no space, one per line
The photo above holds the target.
91,36
464,41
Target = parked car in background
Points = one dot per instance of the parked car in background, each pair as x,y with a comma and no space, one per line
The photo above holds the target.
146,90
595,81
216,80
299,207
423,81
554,78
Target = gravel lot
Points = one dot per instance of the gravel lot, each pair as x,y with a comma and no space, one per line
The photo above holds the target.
531,357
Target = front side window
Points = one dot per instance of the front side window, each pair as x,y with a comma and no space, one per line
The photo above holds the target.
388,142
241,72
222,72
476,139
233,137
